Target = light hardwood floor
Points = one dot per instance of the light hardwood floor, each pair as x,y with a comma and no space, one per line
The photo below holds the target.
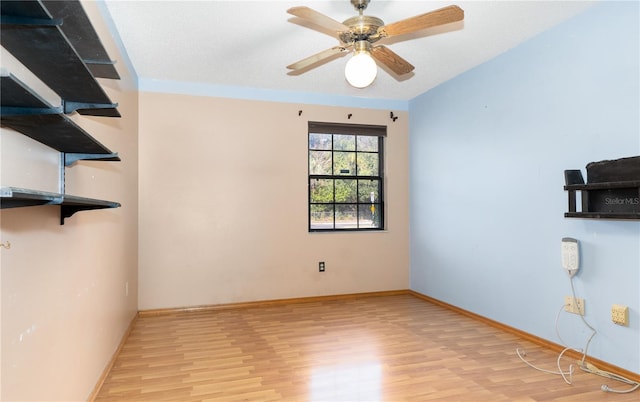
382,348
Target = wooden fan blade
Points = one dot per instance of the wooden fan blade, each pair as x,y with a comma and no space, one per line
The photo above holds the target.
390,59
325,54
423,21
318,18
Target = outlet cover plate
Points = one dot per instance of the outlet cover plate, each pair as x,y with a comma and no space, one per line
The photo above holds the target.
574,305
620,314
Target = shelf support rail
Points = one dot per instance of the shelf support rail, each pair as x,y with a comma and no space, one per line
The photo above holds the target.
61,174
70,106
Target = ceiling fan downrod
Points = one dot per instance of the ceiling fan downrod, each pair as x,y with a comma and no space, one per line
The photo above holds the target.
360,5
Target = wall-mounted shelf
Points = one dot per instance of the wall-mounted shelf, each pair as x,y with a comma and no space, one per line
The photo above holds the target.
77,28
612,193
24,111
13,197
37,40
56,41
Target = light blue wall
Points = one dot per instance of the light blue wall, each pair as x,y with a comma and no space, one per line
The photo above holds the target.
488,150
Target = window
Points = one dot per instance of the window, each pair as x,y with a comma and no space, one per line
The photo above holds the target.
346,177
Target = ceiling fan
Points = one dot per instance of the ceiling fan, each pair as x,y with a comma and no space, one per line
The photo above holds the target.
360,33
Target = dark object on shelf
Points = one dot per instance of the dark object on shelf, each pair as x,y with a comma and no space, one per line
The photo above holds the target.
624,169
612,190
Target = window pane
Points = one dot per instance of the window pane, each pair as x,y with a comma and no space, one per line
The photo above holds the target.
320,141
369,216
368,189
344,163
321,190
345,182
321,217
346,217
368,164
344,142
320,162
368,143
346,191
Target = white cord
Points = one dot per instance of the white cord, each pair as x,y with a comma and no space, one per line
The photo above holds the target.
568,381
587,367
605,388
593,331
562,342
560,372
590,368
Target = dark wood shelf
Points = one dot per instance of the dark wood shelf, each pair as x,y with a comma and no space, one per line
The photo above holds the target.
24,111
602,215
78,29
603,186
55,41
602,200
13,197
37,40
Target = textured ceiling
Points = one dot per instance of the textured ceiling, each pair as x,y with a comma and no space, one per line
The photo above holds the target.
249,43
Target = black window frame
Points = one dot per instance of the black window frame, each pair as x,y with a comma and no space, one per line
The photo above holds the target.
357,130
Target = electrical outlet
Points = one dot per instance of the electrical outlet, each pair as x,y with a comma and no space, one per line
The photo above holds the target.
321,266
574,305
126,288
620,315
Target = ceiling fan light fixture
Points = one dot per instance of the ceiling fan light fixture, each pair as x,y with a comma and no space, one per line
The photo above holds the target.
361,69
359,33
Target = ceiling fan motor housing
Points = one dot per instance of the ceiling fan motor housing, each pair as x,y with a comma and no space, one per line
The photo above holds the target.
362,27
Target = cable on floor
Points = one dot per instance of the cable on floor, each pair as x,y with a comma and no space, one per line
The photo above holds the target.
521,354
560,371
590,368
584,366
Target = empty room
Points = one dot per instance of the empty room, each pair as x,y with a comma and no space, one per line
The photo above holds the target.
320,200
